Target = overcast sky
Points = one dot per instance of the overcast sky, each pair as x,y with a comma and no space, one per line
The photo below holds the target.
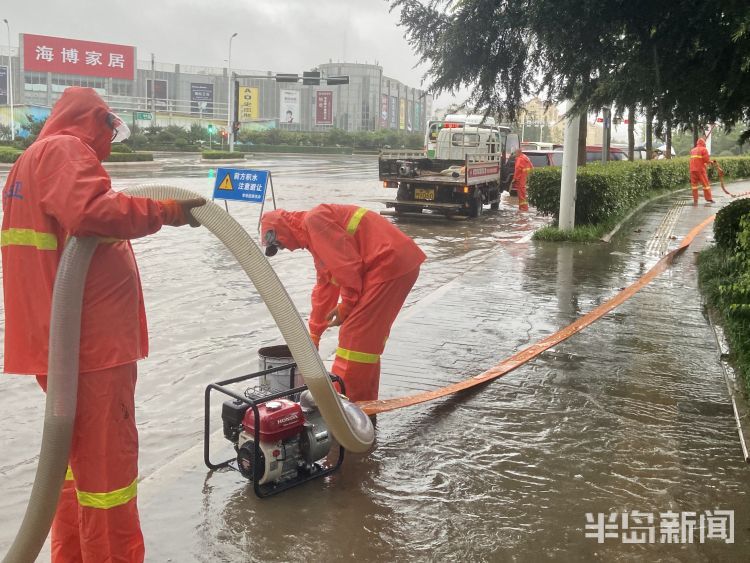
276,35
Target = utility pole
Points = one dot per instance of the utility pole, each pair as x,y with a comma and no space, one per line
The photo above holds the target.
569,170
230,132
10,86
153,87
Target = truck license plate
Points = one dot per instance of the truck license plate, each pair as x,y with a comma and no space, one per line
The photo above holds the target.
421,193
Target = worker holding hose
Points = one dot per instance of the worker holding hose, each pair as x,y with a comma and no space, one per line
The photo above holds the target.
58,188
699,158
365,269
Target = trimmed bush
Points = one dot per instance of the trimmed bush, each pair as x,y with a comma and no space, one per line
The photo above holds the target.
608,191
130,157
222,155
727,223
9,155
121,148
301,149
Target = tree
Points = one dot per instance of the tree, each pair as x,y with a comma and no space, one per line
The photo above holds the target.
684,61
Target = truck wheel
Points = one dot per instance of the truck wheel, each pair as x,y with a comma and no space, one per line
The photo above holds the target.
399,209
495,205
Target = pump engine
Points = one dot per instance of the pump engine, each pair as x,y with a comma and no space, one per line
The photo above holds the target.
292,438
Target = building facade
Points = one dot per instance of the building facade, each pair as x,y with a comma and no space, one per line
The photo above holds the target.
155,93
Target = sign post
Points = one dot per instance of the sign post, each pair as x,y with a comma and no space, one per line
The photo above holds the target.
243,184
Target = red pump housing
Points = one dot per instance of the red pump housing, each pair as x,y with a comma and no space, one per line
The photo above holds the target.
279,419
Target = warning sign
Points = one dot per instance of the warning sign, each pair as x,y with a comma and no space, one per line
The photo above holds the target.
241,184
226,184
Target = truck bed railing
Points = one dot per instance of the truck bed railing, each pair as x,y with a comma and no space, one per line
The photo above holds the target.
402,154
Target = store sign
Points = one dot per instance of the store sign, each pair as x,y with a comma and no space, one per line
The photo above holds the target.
402,114
42,53
247,102
324,107
383,111
201,99
289,106
393,111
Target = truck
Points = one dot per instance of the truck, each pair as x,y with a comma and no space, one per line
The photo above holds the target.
468,171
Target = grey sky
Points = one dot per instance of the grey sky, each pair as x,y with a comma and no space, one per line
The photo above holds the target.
278,35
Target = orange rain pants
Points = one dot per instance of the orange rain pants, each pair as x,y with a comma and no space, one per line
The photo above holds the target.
97,515
363,335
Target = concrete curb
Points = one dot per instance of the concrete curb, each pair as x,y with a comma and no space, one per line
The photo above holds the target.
735,386
609,235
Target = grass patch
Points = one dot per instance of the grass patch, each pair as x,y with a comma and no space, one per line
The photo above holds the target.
583,233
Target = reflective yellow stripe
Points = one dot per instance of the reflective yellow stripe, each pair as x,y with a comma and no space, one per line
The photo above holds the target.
333,281
696,156
69,474
354,221
361,357
28,237
108,500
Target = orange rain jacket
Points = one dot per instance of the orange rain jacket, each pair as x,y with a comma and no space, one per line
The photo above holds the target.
521,170
58,188
699,157
352,249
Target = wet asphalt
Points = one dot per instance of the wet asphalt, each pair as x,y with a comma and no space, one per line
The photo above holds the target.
632,414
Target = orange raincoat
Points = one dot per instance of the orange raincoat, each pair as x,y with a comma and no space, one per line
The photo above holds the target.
520,173
367,263
699,158
58,188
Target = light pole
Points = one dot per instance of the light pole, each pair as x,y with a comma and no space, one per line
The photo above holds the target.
10,87
229,95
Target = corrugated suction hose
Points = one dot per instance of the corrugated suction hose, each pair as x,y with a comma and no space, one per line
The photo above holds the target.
348,424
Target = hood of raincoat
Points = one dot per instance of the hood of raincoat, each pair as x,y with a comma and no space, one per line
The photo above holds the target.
701,143
289,227
80,112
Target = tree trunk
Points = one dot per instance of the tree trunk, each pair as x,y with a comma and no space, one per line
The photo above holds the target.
631,133
649,133
582,131
695,134
668,125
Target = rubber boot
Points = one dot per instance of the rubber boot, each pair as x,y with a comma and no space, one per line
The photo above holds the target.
707,195
695,196
523,205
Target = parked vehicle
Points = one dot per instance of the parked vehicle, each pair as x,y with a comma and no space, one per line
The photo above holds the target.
541,158
452,120
467,172
594,153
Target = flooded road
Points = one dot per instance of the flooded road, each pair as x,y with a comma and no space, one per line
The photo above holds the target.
630,415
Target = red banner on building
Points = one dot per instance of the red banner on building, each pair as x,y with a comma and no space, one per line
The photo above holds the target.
71,56
324,107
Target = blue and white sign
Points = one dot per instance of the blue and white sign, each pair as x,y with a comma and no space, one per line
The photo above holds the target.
241,184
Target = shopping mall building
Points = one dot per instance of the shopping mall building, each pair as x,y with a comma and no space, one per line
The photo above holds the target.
349,96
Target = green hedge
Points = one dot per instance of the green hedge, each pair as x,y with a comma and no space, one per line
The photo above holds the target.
608,191
120,147
9,154
727,223
300,149
130,157
222,155
724,277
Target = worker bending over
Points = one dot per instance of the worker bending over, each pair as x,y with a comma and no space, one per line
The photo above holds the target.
365,269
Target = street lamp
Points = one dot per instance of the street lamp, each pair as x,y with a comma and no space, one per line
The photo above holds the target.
10,87
229,95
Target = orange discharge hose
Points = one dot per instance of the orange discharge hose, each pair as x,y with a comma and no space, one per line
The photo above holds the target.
530,352
721,179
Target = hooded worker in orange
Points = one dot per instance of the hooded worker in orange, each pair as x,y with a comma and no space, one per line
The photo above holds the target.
699,158
520,174
365,269
58,188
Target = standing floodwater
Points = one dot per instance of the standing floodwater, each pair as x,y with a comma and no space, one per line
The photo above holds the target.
630,415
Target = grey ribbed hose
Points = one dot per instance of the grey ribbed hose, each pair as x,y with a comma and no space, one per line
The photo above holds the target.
62,393
348,424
